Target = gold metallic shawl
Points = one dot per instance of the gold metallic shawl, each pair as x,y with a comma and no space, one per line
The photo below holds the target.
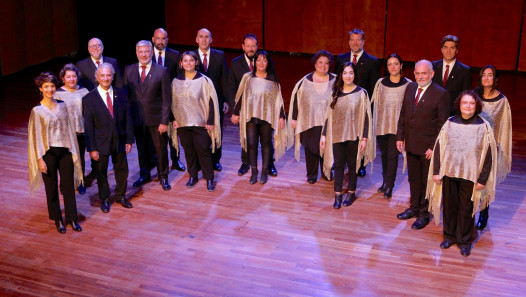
74,103
346,122
498,114
261,99
463,150
191,107
313,99
42,124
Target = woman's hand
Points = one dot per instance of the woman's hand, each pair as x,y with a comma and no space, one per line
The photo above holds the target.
294,123
479,187
281,123
209,127
400,146
322,142
362,145
234,119
42,166
174,124
437,179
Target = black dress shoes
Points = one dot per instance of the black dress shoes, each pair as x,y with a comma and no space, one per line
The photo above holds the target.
254,176
210,185
125,203
60,226
361,171
311,180
465,251
407,214
218,167
264,177
165,184
382,188
142,180
177,165
349,199
388,192
105,205
272,170
82,190
420,223
446,244
191,182
243,169
75,226
337,201
483,219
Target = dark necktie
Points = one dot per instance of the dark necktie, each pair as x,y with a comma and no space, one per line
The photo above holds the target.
446,74
143,73
418,96
108,102
98,64
354,59
205,63
251,66
160,59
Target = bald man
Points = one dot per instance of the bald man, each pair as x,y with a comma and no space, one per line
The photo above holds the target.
425,109
88,66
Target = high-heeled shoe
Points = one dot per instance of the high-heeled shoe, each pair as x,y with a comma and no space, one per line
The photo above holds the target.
337,201
75,226
60,226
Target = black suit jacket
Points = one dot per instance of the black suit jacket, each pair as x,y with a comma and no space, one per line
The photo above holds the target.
459,79
87,73
367,68
238,67
151,100
419,125
171,61
217,71
104,133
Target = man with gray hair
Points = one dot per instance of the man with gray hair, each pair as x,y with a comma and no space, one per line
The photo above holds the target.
148,86
424,110
109,132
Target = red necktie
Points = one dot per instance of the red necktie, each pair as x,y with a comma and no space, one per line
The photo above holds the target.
143,73
418,96
446,74
354,59
108,101
160,59
98,64
251,66
205,63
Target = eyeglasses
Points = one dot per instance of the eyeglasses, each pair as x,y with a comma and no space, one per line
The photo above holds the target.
95,46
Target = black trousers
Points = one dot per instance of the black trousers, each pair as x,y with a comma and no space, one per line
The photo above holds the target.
417,171
120,169
60,159
259,132
458,208
216,156
345,154
149,145
310,139
387,144
197,147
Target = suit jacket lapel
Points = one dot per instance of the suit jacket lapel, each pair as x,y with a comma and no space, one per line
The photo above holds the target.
103,106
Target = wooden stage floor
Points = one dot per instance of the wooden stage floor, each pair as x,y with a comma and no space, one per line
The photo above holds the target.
278,239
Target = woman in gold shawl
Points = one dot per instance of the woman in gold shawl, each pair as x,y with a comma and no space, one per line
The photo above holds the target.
388,97
52,146
259,112
346,136
196,114
463,170
496,110
308,106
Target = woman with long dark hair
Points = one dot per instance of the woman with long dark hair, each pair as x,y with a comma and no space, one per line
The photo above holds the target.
259,112
347,135
52,147
388,97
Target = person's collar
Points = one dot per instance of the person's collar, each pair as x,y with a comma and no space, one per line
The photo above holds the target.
95,61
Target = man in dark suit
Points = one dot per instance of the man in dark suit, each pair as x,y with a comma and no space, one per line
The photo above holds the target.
148,86
424,110
88,66
449,72
212,63
367,68
109,132
168,58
